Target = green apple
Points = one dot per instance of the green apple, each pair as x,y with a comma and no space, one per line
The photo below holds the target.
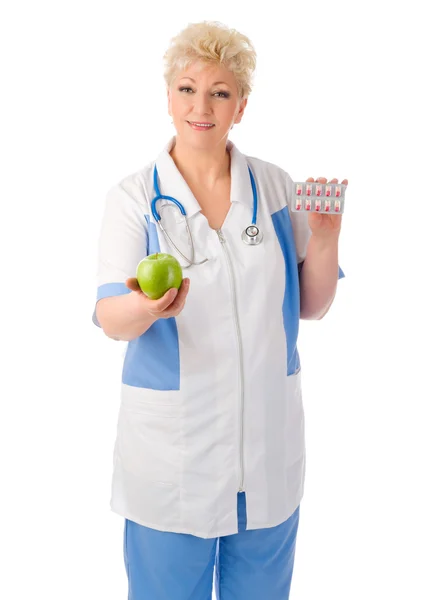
157,273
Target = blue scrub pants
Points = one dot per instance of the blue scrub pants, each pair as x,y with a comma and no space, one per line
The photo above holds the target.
250,565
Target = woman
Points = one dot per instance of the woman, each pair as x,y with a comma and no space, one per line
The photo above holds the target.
209,460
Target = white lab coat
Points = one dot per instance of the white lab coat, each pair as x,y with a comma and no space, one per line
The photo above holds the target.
211,400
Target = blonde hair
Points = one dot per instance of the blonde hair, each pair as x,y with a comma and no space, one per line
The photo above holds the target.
214,43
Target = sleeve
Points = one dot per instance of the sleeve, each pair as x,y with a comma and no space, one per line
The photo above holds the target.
301,230
122,243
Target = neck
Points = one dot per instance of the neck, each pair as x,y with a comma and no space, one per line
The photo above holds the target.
202,167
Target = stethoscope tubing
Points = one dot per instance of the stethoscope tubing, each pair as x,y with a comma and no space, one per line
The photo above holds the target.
246,237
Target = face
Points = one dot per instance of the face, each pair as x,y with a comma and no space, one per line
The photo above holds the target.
204,103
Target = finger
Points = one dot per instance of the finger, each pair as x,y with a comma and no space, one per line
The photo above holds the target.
180,299
310,179
173,295
132,284
179,302
345,182
335,180
183,288
158,306
321,179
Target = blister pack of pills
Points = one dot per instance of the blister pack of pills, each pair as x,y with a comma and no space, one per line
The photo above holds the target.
318,197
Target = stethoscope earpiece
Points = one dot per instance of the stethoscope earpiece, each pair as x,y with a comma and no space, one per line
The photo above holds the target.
252,235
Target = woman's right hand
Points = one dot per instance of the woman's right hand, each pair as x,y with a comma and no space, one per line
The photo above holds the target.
169,305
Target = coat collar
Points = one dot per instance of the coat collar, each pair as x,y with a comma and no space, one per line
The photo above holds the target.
172,183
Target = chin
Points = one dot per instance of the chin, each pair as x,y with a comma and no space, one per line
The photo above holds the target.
198,140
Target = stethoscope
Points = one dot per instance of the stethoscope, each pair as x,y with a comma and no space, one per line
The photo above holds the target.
251,235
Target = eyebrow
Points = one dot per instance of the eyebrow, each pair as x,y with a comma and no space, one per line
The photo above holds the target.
215,83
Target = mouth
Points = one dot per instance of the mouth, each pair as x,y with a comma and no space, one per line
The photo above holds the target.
200,126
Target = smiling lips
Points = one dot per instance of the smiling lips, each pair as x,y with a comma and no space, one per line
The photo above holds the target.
200,126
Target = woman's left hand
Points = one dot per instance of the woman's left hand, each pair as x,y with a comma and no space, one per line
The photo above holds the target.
324,225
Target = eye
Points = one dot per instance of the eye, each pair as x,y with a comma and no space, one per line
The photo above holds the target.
184,89
223,94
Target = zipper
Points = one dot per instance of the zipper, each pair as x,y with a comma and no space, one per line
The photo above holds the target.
240,351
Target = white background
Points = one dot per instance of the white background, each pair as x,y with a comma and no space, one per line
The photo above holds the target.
83,104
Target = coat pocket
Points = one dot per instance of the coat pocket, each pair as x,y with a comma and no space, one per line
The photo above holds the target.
149,436
155,402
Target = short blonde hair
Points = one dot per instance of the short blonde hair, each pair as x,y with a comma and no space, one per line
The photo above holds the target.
212,42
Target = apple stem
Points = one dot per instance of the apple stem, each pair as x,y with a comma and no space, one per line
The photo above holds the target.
156,255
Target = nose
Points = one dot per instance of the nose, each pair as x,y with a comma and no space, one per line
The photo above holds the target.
202,104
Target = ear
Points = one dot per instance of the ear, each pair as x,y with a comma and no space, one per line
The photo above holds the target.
241,110
169,102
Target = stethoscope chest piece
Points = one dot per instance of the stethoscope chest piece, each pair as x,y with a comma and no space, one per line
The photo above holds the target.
252,235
